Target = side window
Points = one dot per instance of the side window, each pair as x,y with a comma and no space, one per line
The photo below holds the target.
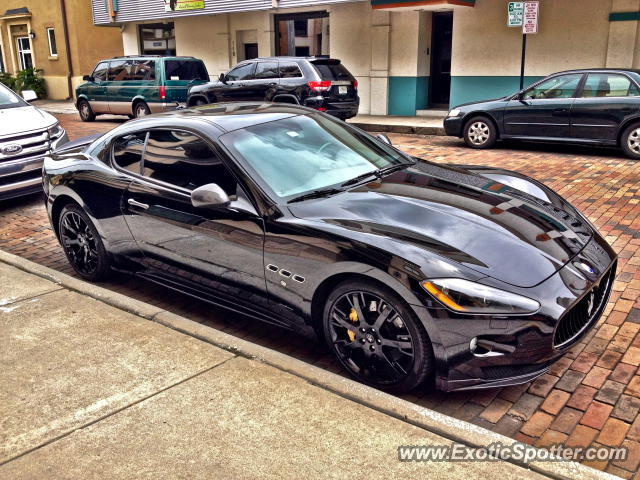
128,150
562,86
100,72
243,72
183,159
289,70
119,70
143,70
267,70
608,85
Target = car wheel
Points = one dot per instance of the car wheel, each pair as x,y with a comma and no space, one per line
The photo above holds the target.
82,244
199,102
630,141
376,338
85,111
141,109
479,132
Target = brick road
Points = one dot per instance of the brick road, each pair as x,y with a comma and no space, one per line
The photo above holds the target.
591,396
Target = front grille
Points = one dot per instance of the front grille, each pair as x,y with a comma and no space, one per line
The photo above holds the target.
584,313
499,372
33,144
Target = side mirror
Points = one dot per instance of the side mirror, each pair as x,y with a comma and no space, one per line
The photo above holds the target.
382,137
210,195
29,95
222,78
88,78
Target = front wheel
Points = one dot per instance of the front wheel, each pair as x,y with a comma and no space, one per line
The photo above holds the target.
479,132
630,141
82,244
376,338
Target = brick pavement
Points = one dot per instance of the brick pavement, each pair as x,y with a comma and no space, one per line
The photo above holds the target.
591,396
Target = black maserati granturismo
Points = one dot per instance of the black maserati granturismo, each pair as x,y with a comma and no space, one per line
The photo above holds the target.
410,271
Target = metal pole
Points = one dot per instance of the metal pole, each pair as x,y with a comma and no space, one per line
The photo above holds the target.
524,54
67,46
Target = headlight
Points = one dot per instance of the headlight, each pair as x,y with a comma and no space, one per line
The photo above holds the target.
56,131
454,113
470,297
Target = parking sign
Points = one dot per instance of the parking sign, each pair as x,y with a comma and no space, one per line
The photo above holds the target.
530,21
515,12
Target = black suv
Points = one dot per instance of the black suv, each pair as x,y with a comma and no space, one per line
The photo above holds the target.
321,83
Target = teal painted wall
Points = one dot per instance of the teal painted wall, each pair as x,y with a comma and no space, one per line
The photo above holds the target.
407,94
472,89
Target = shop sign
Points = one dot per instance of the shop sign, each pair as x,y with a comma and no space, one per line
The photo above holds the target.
181,5
515,13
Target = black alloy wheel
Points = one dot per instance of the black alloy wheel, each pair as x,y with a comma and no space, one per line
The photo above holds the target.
82,244
376,338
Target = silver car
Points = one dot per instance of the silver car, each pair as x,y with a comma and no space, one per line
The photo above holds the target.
27,134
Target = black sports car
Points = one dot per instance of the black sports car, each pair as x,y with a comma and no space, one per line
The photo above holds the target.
591,107
474,277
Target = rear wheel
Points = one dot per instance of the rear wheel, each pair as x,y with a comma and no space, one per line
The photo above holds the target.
141,109
82,244
479,132
630,141
376,338
85,111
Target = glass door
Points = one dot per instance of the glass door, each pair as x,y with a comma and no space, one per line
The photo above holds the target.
24,53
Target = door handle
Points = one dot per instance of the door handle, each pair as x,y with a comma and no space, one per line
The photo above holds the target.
134,203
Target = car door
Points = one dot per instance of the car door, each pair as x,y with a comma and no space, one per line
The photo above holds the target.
202,249
121,89
265,83
97,89
543,110
236,87
604,102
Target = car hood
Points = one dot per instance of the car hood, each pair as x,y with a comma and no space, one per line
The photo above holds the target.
482,224
24,119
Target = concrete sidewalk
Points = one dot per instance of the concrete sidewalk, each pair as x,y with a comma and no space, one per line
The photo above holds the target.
95,385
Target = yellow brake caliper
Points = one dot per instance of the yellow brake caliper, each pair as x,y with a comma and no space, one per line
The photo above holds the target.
353,316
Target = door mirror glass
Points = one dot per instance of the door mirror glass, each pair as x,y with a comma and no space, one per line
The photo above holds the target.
88,78
210,195
383,138
222,78
29,95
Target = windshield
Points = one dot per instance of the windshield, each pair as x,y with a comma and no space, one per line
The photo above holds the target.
8,99
303,154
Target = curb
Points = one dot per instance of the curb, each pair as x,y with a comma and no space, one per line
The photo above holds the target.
435,422
403,129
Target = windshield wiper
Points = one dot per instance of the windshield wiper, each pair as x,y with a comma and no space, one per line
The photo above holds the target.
326,192
360,178
394,168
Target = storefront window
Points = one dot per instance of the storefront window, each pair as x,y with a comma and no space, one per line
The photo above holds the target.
302,34
157,39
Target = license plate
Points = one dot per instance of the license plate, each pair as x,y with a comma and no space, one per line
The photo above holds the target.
342,90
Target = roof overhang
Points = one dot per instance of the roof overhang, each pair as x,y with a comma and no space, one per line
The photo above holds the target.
400,5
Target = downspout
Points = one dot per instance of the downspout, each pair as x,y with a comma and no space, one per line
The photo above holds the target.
65,28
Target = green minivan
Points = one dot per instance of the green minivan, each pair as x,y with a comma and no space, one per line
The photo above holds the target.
138,85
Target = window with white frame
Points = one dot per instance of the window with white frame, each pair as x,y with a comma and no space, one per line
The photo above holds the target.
53,48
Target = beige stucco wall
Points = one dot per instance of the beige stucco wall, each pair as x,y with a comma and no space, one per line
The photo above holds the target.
212,48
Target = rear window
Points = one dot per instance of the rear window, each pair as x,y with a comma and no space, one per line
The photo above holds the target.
185,70
332,70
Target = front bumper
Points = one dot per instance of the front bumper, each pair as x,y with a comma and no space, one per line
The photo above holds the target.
24,176
522,348
453,126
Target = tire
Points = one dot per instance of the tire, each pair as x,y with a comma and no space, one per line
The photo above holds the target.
369,352
199,102
480,132
86,112
630,141
141,109
82,244
130,117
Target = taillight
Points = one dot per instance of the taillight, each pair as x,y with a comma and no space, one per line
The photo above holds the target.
355,84
163,93
322,86
321,109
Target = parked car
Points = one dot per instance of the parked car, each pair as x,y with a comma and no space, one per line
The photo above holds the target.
409,270
138,85
595,107
27,134
320,83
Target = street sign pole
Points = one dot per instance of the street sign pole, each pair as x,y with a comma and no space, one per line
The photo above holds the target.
522,61
529,26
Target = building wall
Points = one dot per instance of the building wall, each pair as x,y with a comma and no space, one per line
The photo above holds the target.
88,43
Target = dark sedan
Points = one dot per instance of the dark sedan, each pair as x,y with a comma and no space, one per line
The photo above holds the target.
595,107
410,271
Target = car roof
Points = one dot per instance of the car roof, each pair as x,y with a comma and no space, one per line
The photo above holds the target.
233,116
294,59
587,70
